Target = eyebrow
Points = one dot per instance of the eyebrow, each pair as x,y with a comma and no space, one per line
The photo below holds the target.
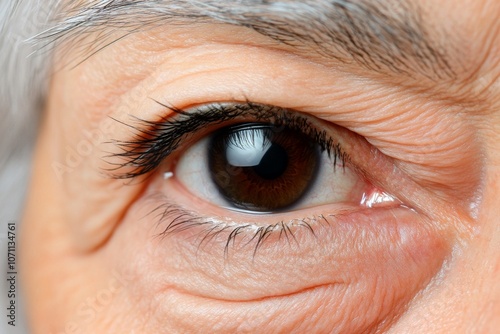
379,35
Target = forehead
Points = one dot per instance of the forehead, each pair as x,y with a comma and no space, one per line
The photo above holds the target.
452,40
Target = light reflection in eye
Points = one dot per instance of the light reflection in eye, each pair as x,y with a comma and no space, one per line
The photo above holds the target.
247,153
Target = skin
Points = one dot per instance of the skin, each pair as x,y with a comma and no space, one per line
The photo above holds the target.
89,241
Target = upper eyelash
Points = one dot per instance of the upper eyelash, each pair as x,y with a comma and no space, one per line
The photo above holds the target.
154,141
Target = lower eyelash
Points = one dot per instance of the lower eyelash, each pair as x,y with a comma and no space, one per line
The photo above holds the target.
178,219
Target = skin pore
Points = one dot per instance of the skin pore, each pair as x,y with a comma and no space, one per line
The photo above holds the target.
418,118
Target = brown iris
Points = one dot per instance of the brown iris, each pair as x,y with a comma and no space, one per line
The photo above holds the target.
261,167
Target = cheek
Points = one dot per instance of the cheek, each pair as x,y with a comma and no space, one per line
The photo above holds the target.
71,209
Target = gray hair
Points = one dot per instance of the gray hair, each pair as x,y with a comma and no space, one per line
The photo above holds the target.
22,90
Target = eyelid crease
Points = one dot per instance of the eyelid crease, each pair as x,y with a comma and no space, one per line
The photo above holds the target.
154,141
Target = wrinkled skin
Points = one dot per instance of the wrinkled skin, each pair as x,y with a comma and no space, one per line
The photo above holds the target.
89,241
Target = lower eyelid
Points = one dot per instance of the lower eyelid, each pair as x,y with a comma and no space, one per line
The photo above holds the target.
190,212
349,246
385,255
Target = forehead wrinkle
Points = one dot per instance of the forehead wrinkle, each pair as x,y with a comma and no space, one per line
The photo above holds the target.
380,35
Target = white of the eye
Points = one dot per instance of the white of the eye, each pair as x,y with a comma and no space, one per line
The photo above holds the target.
194,173
332,184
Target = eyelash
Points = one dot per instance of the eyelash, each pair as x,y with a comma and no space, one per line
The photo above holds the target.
155,141
181,220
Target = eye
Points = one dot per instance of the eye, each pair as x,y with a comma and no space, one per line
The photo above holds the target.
265,168
265,204
236,160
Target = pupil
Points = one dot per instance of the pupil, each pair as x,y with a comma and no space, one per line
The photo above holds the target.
273,164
